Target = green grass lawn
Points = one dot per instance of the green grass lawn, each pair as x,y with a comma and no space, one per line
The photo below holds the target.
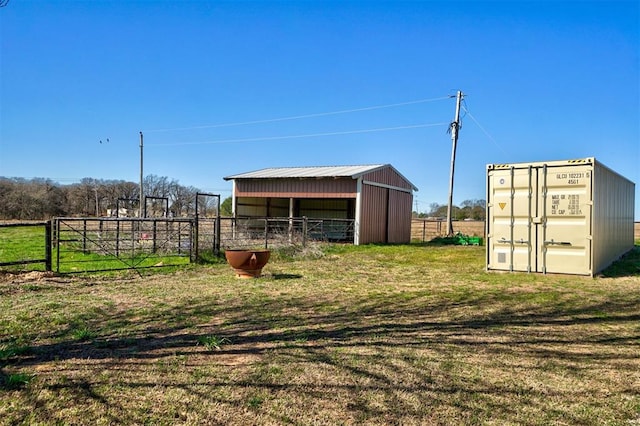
403,334
27,243
21,243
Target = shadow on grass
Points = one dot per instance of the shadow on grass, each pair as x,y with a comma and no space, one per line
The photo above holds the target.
286,276
365,347
627,266
395,319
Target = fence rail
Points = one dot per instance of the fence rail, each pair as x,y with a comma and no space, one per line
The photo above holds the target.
89,244
278,232
96,244
72,245
423,230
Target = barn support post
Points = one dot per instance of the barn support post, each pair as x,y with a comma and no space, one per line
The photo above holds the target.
290,220
358,218
305,226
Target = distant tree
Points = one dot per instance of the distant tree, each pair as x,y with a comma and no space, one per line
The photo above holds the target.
31,199
54,200
473,209
6,189
182,199
226,208
469,209
433,209
207,206
42,198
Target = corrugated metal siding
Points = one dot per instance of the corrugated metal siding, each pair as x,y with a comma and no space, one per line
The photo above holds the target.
386,215
572,217
262,207
312,208
399,227
296,188
253,207
324,209
278,207
373,223
613,205
388,176
307,172
385,211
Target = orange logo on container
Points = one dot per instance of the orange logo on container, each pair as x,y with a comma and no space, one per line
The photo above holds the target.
502,205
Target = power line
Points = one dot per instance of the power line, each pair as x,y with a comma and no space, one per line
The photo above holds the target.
311,135
483,129
298,117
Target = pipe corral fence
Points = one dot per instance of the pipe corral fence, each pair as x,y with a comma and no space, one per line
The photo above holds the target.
73,245
69,245
425,230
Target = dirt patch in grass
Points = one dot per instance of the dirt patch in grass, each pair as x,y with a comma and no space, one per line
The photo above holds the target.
25,277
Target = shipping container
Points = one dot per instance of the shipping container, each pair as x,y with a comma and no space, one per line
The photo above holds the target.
569,217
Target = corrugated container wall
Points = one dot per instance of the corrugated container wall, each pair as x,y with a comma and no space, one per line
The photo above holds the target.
572,217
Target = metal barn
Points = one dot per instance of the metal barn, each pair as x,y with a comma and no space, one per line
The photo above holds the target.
376,197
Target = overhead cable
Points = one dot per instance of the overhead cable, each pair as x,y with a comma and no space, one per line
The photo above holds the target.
311,135
297,117
483,129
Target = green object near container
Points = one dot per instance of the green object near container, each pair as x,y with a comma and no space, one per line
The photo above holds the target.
466,240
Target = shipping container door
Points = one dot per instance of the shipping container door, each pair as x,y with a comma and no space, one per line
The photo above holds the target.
510,236
540,219
565,202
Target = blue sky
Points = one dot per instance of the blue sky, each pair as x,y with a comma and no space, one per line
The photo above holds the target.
545,80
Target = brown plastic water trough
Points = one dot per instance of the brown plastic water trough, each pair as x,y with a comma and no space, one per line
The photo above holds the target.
247,263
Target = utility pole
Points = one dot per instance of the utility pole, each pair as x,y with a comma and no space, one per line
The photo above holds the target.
454,128
141,200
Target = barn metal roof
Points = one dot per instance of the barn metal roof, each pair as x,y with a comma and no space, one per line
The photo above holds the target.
307,172
353,172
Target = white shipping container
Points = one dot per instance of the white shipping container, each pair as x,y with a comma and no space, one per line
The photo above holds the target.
570,217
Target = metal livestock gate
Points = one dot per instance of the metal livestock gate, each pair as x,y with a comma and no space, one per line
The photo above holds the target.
99,244
77,245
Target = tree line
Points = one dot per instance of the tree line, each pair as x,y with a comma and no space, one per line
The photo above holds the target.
37,199
468,209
